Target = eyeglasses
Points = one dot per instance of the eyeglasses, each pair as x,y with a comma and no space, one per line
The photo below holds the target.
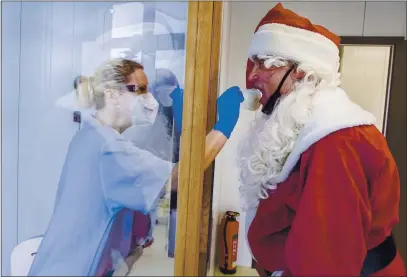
134,88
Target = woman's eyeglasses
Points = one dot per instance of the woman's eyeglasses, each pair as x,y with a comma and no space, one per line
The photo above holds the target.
134,88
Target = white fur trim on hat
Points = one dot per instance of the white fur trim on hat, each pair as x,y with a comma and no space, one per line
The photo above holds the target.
297,44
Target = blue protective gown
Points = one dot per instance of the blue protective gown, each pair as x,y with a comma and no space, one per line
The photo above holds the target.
103,179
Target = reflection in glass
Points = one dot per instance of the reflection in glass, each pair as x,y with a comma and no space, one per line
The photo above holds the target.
60,41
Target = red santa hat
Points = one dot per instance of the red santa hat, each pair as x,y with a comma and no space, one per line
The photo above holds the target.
284,33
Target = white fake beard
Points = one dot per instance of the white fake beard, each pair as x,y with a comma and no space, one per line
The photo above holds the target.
270,140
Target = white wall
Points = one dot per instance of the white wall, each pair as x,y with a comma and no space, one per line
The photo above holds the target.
9,128
343,18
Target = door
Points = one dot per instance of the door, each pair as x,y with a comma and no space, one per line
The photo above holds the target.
373,74
365,76
59,41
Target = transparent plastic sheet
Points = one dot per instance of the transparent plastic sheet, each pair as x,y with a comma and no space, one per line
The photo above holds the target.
117,245
152,145
100,236
105,180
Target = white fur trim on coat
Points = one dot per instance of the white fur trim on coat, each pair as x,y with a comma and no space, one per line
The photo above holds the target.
297,44
332,111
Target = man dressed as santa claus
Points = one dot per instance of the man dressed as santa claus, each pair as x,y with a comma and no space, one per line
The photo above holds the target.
319,184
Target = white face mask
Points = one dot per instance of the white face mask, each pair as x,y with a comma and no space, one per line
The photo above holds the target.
144,109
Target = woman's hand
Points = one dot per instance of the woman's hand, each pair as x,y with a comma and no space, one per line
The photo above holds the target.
228,110
177,97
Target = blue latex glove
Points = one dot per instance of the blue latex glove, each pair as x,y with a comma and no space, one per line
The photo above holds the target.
228,110
177,97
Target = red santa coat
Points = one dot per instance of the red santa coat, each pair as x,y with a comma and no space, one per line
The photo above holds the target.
339,200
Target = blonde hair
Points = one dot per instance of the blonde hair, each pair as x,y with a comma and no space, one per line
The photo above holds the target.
113,74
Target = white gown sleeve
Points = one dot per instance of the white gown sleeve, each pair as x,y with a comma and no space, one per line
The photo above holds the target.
131,177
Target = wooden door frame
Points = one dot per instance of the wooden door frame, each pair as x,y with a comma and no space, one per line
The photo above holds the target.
208,182
195,187
396,121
